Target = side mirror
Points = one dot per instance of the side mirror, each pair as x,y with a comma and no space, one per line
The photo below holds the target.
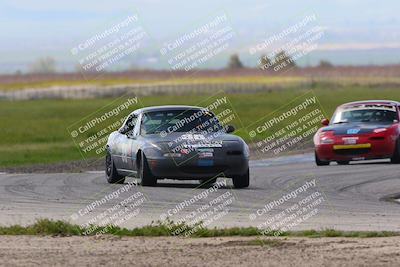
325,122
123,130
128,132
130,135
229,129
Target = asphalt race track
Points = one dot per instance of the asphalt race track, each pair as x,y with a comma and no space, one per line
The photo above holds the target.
352,197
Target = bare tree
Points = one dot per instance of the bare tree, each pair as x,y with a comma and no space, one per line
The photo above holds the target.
234,62
265,63
282,56
325,64
43,65
283,61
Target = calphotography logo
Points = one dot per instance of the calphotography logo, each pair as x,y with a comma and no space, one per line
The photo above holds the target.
201,210
288,128
112,210
91,133
199,46
111,47
282,50
289,210
202,128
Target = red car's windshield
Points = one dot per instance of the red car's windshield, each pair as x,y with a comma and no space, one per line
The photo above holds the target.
367,114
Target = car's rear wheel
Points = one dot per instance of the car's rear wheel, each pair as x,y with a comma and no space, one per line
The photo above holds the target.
112,175
144,174
320,162
343,162
242,181
396,155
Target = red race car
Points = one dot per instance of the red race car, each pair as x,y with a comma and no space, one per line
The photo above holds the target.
359,131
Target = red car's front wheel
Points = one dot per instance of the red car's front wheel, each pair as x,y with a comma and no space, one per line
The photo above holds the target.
320,162
396,155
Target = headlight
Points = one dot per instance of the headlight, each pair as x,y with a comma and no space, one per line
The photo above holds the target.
326,138
380,130
327,141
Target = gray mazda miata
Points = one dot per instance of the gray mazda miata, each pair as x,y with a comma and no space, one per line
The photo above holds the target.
176,142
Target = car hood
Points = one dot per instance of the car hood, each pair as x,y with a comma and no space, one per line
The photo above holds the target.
354,128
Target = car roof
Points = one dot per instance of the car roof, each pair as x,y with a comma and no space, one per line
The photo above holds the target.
167,107
382,102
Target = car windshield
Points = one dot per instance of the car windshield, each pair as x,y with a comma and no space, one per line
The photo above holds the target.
367,114
169,121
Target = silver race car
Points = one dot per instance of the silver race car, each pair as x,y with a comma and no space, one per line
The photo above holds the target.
176,142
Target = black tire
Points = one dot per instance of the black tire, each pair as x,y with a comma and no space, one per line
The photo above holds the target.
395,159
144,174
320,162
112,175
242,181
343,162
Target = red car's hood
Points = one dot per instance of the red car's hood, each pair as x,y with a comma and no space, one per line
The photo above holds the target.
355,128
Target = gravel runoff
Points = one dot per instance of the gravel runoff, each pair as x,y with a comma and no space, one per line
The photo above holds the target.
173,251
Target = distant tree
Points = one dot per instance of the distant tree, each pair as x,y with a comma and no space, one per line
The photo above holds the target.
265,63
325,64
283,61
79,68
234,62
43,65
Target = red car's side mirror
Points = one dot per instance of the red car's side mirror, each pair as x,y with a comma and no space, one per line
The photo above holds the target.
325,122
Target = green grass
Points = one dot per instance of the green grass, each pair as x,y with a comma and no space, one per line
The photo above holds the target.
61,228
36,131
336,233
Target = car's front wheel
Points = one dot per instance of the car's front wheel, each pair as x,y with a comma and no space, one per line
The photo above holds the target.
144,174
396,155
320,162
112,175
242,181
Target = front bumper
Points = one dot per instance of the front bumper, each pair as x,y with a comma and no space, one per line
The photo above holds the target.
366,147
195,168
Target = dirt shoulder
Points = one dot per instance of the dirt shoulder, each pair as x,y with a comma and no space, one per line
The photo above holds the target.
172,251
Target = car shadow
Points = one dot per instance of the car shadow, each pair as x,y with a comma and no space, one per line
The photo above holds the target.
188,185
193,184
178,185
369,163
